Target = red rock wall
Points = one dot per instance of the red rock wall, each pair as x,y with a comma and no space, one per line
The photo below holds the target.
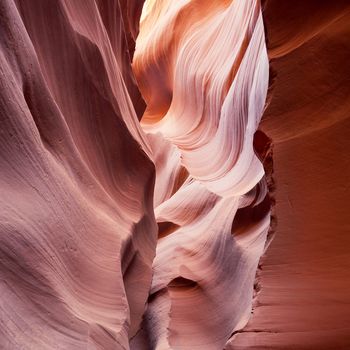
305,276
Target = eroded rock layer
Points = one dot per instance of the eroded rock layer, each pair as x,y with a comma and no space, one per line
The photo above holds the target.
202,68
77,225
305,276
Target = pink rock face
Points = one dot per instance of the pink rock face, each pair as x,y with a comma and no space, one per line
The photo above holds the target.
77,226
205,85
136,189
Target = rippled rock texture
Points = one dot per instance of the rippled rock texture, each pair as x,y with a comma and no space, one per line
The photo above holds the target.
205,84
305,276
137,188
77,226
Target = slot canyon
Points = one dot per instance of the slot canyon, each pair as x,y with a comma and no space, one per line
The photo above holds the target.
174,175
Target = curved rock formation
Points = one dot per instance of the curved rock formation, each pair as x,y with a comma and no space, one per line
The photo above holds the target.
77,225
136,186
305,276
205,85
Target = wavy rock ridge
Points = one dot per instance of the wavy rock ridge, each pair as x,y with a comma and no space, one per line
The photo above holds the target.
205,85
77,223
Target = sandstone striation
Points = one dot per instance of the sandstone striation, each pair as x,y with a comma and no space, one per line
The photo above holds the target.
147,150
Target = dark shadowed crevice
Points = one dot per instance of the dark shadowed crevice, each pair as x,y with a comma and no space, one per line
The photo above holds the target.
166,228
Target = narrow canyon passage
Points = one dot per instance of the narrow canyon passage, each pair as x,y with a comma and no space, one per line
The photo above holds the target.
147,149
